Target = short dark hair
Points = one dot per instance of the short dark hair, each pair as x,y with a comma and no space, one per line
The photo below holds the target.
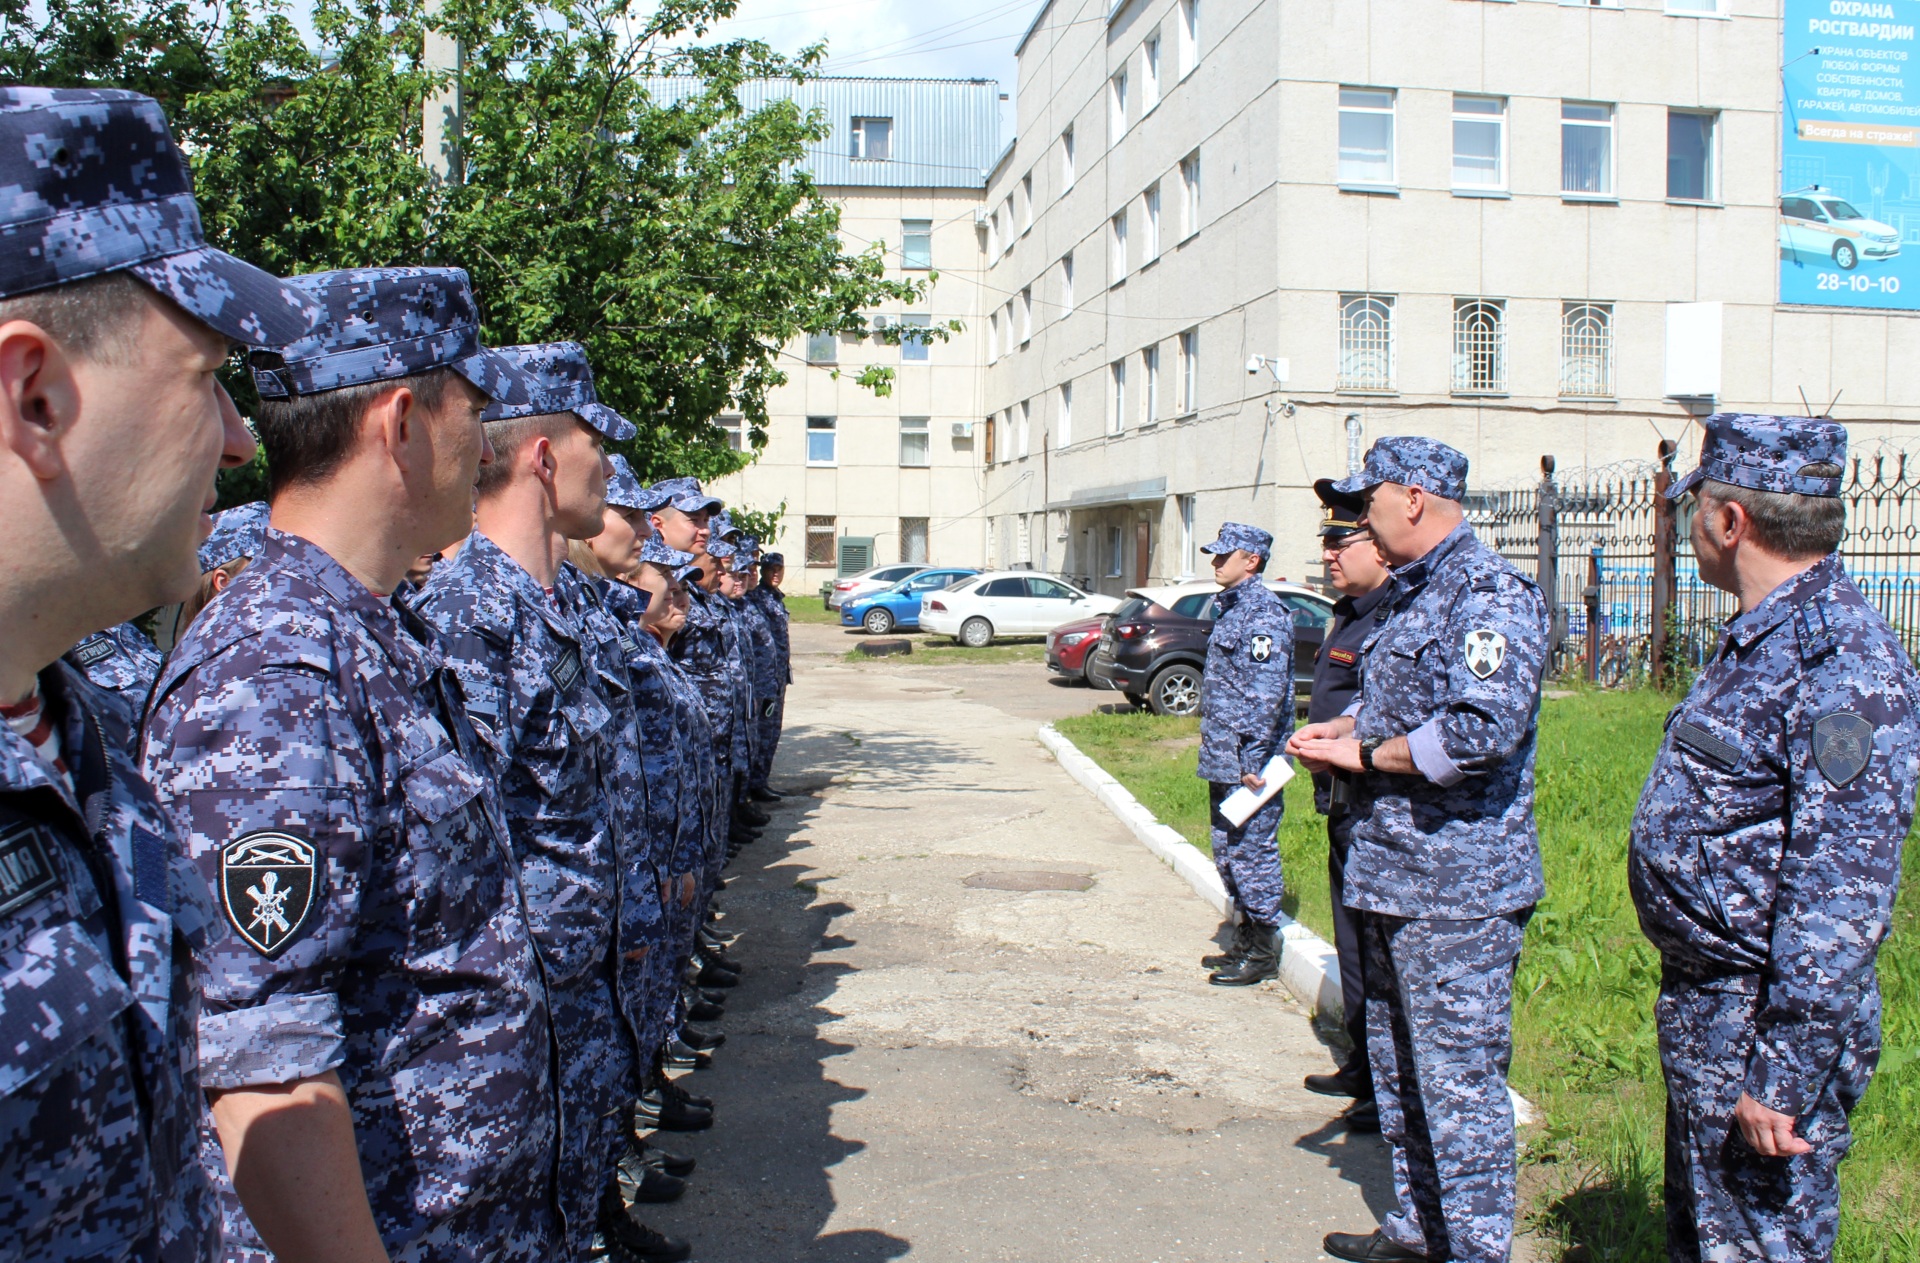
1259,563
509,436
97,319
1785,523
306,438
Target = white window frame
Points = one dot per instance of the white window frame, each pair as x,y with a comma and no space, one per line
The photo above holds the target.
1149,74
1586,350
1066,283
1064,433
1190,195
1610,192
1479,346
915,350
1026,203
1117,247
1150,245
916,228
1189,36
1117,397
1116,541
1007,235
1710,191
1696,8
1117,105
860,149
1023,430
1366,343
1066,161
734,426
993,335
827,341
1150,383
1189,372
832,430
1026,315
1362,102
922,429
1189,541
1471,111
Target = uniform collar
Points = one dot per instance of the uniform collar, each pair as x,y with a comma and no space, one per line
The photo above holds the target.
376,613
1230,597
521,587
1778,605
1415,574
20,768
1358,607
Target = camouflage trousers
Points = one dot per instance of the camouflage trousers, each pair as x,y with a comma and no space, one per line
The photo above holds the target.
1440,1036
773,713
1726,1203
597,1073
1248,856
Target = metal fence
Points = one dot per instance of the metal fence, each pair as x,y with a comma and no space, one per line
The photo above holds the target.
1628,600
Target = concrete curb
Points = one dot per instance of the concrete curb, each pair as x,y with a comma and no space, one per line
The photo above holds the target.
1309,965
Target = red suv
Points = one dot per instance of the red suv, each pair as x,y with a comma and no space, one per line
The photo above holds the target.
1069,645
1154,647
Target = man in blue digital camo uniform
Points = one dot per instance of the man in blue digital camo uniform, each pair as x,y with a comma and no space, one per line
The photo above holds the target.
376,1036
748,817
1356,572
527,665
1444,859
763,664
113,317
1246,715
772,603
123,661
1766,852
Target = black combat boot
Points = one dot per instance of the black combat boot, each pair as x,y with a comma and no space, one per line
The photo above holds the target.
1235,950
1260,961
627,1240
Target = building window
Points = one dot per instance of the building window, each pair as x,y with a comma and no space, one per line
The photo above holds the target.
1150,248
1066,160
1150,382
1023,428
1065,428
820,440
823,348
1189,545
1006,215
1479,346
993,437
913,540
1117,240
1586,350
1689,156
1189,36
1023,539
1366,136
993,336
819,541
734,427
1117,418
1026,202
1190,195
1366,342
1189,372
1006,324
1026,315
915,448
1117,105
1479,142
1115,561
1066,284
1586,149
873,138
1701,8
1150,76
916,244
916,340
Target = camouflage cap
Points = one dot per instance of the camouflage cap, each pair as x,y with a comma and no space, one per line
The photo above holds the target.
91,182
237,532
1239,536
720,549
379,324
661,553
723,528
561,382
743,554
1410,461
623,489
771,561
1767,454
1341,511
685,495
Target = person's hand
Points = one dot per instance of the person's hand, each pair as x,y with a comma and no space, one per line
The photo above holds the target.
1326,754
1253,782
687,889
1339,726
1768,1133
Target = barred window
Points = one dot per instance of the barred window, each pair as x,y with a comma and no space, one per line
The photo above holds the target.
1586,350
1366,342
1479,346
819,541
913,540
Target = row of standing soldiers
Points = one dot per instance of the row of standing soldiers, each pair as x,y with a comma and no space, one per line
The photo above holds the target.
369,922
1763,858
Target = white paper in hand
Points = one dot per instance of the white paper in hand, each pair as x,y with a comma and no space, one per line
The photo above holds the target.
1240,805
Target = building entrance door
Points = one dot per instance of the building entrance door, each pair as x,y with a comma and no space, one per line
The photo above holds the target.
1142,551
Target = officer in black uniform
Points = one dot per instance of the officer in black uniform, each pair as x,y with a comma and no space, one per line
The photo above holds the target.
1356,571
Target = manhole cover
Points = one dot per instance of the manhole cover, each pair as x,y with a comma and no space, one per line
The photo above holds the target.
1029,880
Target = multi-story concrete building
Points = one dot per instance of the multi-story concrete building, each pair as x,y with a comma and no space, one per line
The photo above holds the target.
899,474
1236,240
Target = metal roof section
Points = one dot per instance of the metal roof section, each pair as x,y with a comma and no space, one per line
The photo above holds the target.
1125,493
944,133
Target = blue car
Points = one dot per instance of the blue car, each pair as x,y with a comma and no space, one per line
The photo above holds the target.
899,605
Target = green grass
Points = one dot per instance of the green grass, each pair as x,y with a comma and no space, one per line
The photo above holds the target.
1584,1046
939,649
808,609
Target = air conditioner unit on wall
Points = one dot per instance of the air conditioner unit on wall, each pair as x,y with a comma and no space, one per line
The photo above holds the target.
962,429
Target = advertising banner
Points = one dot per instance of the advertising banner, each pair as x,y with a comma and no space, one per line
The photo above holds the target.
1850,155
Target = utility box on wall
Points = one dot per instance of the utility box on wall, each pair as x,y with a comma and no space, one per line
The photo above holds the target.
856,554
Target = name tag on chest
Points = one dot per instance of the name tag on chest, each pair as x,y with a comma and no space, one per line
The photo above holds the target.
567,670
26,866
1721,754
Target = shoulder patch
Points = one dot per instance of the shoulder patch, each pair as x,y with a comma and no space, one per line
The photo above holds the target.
269,883
1842,744
1261,647
26,865
1485,650
567,669
96,648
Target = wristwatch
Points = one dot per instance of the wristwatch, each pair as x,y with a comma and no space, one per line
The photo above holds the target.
1368,747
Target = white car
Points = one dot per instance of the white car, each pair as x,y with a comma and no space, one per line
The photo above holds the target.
878,579
1008,603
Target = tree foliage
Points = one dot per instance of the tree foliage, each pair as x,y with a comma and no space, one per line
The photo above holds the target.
616,189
